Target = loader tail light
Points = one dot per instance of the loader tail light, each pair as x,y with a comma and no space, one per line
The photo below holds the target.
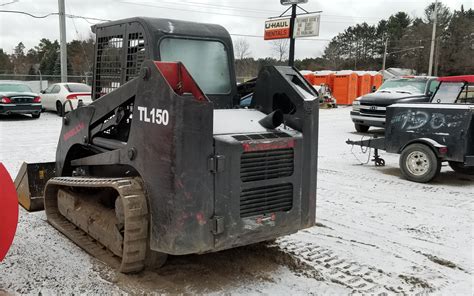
5,100
37,100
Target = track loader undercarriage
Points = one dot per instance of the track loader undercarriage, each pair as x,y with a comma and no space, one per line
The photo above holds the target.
106,217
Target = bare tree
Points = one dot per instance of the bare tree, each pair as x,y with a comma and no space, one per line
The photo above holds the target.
280,47
242,48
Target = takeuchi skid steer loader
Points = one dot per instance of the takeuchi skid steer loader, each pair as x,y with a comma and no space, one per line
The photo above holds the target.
165,162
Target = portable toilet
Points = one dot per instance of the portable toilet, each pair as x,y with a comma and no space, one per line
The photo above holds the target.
345,87
376,80
324,77
364,83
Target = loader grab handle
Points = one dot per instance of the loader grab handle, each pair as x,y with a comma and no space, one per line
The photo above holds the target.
179,79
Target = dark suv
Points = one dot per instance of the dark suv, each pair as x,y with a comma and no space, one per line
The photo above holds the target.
369,110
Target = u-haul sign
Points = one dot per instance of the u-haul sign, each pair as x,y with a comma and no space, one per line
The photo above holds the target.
277,29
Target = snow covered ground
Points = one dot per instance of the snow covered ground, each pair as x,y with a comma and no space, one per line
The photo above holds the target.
376,233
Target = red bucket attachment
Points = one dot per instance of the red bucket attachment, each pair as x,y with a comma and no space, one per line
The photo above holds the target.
8,211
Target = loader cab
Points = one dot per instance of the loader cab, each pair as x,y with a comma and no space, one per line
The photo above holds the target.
204,49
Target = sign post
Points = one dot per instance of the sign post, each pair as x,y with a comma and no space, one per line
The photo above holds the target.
291,59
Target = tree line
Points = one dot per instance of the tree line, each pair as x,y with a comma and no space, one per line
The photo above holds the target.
359,47
44,58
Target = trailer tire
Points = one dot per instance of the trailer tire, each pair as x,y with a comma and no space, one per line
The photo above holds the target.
459,167
361,128
419,163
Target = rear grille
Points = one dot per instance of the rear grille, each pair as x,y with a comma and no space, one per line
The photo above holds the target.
250,137
22,100
266,199
266,164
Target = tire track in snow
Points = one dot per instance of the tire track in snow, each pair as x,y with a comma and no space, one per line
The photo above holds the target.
407,184
359,277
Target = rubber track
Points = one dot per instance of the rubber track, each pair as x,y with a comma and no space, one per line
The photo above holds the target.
136,220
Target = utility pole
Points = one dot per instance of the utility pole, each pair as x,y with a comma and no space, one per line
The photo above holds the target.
291,59
62,40
436,58
384,57
433,37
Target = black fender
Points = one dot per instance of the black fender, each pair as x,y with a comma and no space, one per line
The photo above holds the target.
439,149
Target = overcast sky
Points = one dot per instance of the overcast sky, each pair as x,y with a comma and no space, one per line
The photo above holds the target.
238,17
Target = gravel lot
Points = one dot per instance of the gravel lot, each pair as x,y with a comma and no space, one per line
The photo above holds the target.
376,233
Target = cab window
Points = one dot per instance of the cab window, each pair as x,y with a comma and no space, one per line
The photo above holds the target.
206,61
448,92
467,95
433,86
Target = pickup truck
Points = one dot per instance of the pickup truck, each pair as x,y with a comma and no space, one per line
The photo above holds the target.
369,110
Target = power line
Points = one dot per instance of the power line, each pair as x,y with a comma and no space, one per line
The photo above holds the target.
11,2
54,13
205,5
215,13
28,14
226,7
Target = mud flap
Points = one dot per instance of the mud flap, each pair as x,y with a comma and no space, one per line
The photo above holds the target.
30,183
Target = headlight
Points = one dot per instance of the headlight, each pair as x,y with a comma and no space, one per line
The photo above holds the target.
356,105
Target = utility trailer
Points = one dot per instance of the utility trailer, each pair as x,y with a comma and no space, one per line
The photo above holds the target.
163,161
425,135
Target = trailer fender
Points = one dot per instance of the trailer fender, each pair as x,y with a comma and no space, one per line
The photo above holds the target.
439,149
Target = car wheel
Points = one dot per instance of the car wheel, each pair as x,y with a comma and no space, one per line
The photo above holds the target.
361,128
459,167
59,109
419,163
37,115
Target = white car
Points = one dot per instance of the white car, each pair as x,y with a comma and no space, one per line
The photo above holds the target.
54,97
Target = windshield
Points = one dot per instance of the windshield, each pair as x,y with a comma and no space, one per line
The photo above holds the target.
206,61
14,88
448,92
404,85
78,88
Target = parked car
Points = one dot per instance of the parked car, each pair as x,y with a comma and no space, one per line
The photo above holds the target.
18,98
369,110
55,96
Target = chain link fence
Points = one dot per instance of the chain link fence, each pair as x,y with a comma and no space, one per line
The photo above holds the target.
41,82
